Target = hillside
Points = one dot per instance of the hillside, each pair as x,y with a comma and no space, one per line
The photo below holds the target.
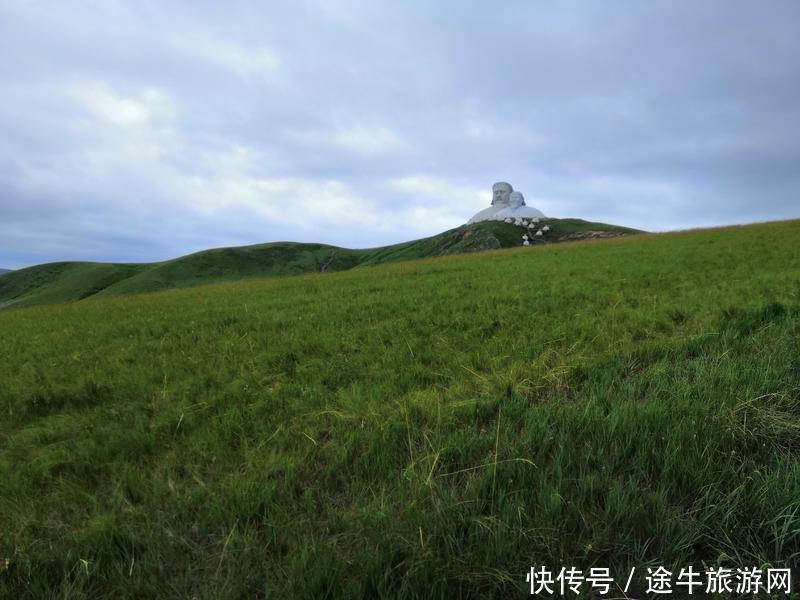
73,281
431,428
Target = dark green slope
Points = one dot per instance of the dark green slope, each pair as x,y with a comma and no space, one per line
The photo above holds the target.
61,282
229,264
72,281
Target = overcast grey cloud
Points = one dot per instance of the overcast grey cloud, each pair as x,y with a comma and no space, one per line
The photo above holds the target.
138,131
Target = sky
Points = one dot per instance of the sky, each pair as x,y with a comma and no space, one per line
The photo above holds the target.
144,130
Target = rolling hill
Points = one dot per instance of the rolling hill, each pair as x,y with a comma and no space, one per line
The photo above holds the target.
422,429
72,281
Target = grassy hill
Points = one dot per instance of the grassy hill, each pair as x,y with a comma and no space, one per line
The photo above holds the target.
73,281
429,428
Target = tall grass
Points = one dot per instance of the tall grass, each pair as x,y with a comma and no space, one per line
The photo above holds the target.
425,429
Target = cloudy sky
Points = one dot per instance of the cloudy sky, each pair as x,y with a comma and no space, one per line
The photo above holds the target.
138,130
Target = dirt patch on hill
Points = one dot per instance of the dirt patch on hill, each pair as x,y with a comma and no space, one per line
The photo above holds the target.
590,234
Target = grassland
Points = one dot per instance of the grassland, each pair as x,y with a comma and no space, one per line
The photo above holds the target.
63,282
421,429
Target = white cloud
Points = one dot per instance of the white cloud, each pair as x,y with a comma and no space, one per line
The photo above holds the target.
609,186
285,201
245,61
128,111
484,131
441,191
366,140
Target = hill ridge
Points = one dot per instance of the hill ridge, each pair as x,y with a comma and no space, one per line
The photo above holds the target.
72,281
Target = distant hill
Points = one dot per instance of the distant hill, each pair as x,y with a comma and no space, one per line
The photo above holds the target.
5,271
72,281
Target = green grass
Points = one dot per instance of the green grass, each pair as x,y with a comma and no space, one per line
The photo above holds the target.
73,281
422,429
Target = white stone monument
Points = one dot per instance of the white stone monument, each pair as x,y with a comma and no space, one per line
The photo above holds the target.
507,205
